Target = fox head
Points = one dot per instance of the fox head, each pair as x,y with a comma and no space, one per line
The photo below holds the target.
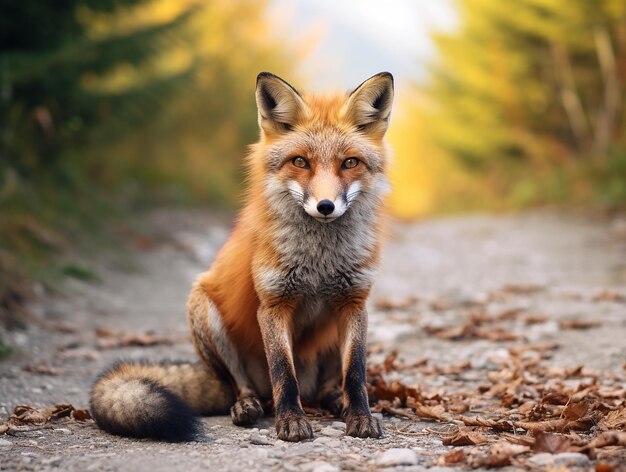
323,153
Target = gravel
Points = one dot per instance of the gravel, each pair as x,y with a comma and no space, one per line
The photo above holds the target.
455,260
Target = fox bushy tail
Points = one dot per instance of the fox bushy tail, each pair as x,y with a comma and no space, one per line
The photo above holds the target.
158,400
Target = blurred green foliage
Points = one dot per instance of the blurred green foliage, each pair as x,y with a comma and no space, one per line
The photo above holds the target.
106,104
528,97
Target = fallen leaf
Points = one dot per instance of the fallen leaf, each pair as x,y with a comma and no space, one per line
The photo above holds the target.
81,415
523,289
26,415
435,413
578,324
388,304
498,455
609,296
575,411
552,443
110,339
43,369
453,457
464,437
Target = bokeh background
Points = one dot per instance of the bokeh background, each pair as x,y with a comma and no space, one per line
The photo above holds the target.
111,106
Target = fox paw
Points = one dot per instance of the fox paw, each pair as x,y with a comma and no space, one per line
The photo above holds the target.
293,428
362,426
246,411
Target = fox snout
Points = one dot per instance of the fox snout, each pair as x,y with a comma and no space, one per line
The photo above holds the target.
331,205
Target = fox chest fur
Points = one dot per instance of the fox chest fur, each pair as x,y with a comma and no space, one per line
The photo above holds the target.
321,261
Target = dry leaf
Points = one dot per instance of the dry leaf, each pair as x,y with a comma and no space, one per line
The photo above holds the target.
388,304
498,455
552,443
609,296
453,457
578,324
110,339
575,411
464,437
43,369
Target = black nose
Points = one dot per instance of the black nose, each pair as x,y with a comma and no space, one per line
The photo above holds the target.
325,207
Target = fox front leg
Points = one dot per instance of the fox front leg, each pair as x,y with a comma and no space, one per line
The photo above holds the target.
359,419
291,421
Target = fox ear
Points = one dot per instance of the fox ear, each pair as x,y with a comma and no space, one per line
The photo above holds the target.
369,105
280,105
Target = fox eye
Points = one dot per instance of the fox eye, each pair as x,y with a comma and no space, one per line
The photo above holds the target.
300,162
350,163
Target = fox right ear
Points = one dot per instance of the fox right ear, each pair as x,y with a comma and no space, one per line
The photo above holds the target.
280,105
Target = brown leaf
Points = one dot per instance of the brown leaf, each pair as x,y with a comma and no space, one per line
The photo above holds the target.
455,456
518,439
498,455
579,324
552,443
43,369
523,289
464,437
609,296
436,413
81,415
556,398
110,339
615,419
499,425
575,411
26,415
388,304
610,438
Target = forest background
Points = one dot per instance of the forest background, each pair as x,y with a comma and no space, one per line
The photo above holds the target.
110,107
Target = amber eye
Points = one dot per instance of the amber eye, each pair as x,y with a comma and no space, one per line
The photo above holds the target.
300,162
350,163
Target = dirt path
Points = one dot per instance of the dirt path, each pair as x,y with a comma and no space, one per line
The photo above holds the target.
560,272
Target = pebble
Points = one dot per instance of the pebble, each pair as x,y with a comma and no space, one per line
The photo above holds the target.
397,456
53,461
559,461
259,440
63,431
330,431
338,425
327,441
5,444
321,466
264,432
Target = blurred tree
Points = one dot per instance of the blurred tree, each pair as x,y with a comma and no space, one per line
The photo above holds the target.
46,54
531,81
122,101
523,104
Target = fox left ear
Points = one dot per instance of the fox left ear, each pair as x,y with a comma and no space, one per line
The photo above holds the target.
280,105
369,105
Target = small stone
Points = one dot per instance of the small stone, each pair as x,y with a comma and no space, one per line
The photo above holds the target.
53,461
330,431
63,431
259,440
397,456
378,415
264,432
338,425
5,444
321,466
560,461
327,441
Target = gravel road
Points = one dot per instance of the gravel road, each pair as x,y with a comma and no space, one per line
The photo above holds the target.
557,267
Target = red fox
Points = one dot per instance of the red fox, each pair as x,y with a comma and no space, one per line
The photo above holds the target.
281,314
